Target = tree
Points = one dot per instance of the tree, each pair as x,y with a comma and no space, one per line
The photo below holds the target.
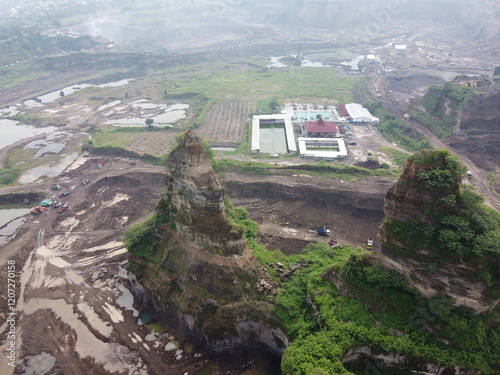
273,104
149,122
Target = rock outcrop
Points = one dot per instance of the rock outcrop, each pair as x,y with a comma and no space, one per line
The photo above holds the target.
197,198
199,274
421,233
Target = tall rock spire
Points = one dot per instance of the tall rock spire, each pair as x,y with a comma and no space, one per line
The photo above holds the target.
197,198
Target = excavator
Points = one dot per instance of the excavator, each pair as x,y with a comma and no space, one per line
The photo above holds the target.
38,210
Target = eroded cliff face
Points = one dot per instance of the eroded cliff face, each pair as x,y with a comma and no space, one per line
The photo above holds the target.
198,200
479,132
200,276
415,207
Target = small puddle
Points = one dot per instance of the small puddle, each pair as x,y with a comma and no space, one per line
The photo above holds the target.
104,328
111,355
142,110
354,63
109,105
126,300
10,222
53,148
146,317
275,62
11,111
155,327
10,214
309,63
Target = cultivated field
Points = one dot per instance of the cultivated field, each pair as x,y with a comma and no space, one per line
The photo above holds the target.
225,123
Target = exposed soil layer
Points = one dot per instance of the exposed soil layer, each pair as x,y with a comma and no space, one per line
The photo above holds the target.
289,209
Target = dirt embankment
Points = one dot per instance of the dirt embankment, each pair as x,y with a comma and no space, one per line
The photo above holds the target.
288,208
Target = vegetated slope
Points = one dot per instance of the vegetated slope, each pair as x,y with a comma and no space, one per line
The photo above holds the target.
431,217
350,313
441,106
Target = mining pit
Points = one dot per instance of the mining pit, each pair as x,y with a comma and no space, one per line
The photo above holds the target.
75,262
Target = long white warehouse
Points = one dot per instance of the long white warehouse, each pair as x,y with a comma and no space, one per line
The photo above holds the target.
359,113
273,134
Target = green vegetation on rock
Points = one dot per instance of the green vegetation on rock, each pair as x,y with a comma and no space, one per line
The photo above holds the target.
460,225
442,104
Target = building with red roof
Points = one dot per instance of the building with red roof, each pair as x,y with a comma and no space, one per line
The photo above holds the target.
343,110
321,129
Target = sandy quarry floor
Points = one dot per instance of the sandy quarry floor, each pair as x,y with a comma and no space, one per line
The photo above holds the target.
75,312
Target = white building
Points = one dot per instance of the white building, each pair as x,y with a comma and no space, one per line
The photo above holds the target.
360,114
322,148
273,134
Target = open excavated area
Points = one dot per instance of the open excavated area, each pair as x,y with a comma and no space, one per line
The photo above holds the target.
290,208
75,279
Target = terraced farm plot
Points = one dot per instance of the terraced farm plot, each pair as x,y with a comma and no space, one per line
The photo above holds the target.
155,143
225,123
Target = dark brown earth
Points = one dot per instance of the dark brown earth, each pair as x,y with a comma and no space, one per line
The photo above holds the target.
290,208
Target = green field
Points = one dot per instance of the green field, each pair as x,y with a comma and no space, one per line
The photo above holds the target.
291,83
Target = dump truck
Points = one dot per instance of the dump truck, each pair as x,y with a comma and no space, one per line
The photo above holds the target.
369,243
56,186
323,231
64,194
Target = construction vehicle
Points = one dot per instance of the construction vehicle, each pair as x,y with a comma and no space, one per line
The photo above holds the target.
85,181
100,165
369,243
38,210
63,208
56,186
406,116
323,231
64,194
